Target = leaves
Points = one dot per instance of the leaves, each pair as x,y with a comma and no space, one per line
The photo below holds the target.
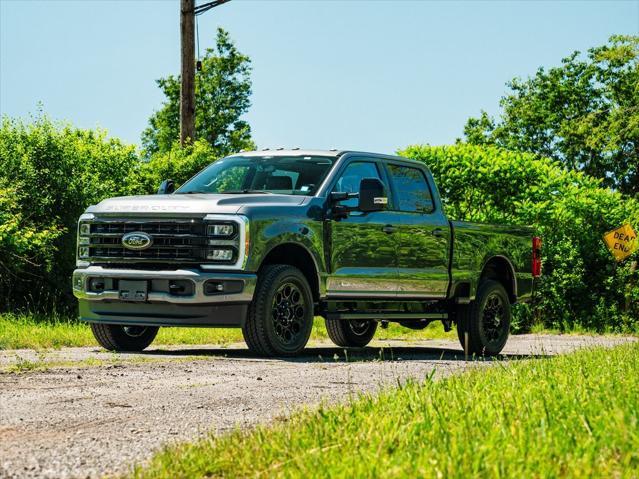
584,113
222,96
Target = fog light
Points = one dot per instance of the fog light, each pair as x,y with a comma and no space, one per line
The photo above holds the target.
220,254
96,284
221,230
211,287
85,229
83,252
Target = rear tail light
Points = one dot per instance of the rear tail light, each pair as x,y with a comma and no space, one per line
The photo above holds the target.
536,256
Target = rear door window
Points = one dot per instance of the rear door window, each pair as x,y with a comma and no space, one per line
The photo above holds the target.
412,189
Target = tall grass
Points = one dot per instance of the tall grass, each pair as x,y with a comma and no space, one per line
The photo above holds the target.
569,416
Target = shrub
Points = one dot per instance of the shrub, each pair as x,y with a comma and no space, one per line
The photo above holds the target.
49,173
582,286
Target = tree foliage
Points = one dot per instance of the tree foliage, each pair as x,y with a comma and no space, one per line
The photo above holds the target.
584,113
222,96
582,286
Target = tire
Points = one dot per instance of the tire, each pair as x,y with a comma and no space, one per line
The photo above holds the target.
353,333
115,337
280,317
486,320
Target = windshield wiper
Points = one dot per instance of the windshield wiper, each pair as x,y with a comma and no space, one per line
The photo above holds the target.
248,192
192,193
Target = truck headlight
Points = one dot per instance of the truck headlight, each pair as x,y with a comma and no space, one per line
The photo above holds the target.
227,241
83,252
221,230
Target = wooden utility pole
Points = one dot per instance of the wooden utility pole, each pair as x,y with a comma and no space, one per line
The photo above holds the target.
187,89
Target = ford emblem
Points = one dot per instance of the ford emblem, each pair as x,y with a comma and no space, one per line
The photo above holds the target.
137,240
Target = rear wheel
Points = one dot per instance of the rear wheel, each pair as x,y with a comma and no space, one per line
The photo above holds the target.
115,337
483,326
280,317
351,333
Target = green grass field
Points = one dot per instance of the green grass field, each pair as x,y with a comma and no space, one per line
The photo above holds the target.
568,416
50,332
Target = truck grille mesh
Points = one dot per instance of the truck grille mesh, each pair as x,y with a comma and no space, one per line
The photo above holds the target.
173,241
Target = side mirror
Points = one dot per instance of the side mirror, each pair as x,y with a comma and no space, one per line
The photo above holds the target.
166,187
372,196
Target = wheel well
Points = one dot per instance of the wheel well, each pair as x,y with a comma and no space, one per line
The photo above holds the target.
298,256
499,269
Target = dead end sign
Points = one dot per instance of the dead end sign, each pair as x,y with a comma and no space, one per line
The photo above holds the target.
621,242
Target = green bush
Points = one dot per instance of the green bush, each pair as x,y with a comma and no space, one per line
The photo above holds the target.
49,173
582,286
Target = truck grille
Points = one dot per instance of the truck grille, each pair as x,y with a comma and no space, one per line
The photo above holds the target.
173,241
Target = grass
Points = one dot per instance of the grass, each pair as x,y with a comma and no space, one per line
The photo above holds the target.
54,331
568,416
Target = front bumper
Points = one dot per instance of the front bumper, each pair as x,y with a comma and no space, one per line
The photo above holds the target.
163,307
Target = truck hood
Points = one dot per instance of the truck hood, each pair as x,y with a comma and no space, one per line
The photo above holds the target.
192,204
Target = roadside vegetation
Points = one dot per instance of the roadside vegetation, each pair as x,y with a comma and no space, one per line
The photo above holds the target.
567,416
52,332
561,156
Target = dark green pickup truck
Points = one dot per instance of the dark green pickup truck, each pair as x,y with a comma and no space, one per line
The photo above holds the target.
267,240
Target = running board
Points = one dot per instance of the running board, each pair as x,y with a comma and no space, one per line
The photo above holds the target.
386,316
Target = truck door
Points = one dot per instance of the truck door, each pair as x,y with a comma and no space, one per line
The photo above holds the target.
422,232
362,254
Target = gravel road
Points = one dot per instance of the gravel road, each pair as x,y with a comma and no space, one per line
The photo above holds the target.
91,413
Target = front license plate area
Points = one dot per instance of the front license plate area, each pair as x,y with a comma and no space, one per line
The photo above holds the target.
133,290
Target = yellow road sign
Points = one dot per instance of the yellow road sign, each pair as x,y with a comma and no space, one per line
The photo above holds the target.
621,242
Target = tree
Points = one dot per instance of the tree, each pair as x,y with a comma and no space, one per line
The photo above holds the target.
222,96
584,113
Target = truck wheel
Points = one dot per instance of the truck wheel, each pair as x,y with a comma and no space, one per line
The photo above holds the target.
115,337
351,333
486,320
280,318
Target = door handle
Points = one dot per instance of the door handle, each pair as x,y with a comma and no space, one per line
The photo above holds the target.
438,232
389,229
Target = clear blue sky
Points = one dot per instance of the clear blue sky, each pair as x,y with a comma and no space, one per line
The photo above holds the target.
371,75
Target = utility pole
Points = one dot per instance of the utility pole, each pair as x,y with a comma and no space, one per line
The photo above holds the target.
188,11
187,89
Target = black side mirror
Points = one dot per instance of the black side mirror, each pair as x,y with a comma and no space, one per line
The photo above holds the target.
372,196
166,187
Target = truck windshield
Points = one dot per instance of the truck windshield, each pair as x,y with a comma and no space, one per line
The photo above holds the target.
299,175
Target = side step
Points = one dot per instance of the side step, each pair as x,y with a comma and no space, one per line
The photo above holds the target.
385,316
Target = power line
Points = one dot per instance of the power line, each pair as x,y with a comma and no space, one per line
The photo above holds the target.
205,7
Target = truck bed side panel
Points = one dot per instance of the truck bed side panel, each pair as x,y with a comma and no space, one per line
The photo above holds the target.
474,244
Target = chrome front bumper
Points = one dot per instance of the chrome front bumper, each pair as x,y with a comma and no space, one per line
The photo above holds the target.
81,278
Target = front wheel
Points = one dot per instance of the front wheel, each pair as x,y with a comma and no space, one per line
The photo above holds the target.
115,337
280,318
483,326
354,333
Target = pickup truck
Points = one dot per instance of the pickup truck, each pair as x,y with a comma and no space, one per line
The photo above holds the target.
267,240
